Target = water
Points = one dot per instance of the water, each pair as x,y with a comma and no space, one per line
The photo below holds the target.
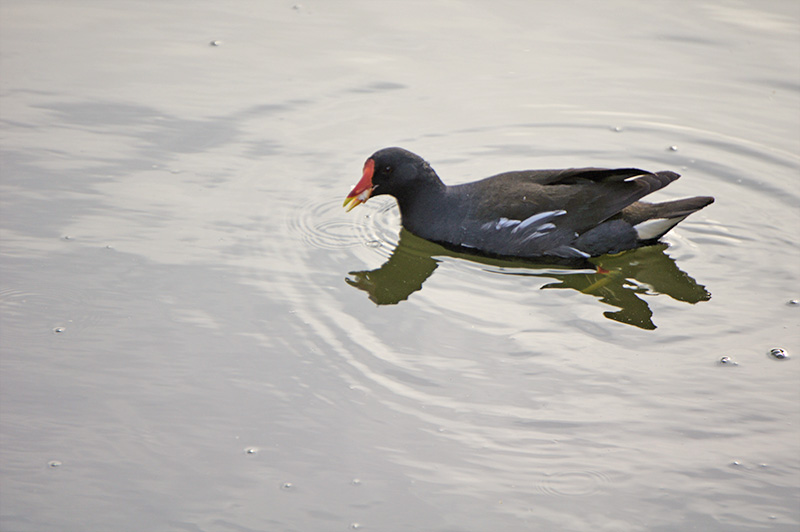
196,336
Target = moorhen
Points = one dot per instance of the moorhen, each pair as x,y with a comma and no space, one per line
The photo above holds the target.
557,215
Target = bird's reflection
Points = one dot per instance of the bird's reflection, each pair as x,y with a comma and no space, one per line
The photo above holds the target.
617,280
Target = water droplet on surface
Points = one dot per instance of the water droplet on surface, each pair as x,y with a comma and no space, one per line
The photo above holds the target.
673,148
779,353
59,330
54,463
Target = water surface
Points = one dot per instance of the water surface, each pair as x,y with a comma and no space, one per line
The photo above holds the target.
195,335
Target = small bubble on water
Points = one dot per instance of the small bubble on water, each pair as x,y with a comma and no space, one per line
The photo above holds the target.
373,243
736,463
287,486
617,129
356,482
54,463
67,237
251,450
215,43
795,302
673,148
779,353
355,526
59,329
728,360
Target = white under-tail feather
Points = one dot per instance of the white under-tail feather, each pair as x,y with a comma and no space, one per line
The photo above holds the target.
650,229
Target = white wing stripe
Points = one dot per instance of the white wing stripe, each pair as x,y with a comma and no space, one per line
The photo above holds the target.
536,218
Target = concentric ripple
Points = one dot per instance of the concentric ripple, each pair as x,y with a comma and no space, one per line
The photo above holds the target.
320,225
324,224
574,483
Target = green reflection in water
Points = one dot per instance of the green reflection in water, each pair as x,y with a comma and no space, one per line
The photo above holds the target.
617,280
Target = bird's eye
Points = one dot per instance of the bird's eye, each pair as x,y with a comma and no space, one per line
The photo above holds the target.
388,169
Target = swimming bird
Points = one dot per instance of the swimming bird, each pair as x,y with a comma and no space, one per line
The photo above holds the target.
559,215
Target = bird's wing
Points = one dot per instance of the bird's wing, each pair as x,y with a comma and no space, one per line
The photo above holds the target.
568,176
544,211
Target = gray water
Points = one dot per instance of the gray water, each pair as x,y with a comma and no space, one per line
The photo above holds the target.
195,335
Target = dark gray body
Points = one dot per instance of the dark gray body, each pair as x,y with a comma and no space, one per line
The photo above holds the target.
561,214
